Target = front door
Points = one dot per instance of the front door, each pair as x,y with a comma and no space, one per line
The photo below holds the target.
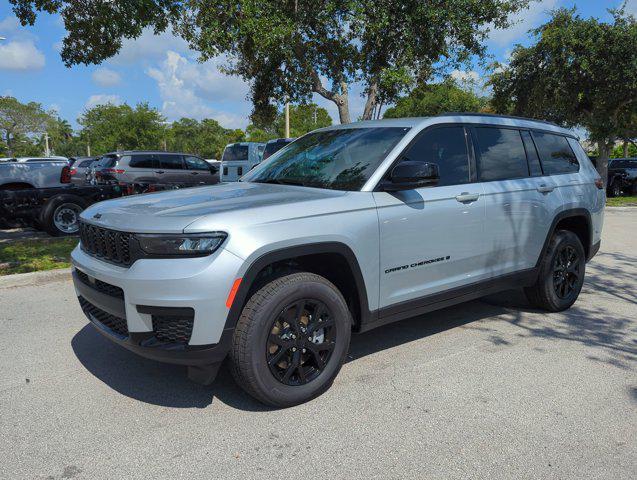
198,170
432,239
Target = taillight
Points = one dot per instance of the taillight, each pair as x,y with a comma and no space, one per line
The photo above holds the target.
599,183
113,170
65,176
73,171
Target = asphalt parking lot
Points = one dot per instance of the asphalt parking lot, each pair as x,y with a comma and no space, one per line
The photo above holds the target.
489,389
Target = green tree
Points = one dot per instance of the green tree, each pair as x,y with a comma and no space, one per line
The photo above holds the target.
205,138
121,127
294,48
433,99
19,124
303,119
580,72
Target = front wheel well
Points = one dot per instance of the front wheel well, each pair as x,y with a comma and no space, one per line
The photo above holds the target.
16,186
332,266
580,226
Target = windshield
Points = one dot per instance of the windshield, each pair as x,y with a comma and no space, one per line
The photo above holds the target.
234,153
340,159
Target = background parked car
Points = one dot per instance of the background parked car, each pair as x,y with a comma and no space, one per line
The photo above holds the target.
273,146
78,166
215,167
622,176
44,174
240,158
41,159
150,167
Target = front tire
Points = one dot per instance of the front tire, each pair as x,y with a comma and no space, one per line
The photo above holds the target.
561,274
291,340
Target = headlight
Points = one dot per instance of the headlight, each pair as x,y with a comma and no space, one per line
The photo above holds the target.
196,244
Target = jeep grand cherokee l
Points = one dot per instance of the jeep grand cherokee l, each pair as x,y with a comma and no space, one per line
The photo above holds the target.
348,228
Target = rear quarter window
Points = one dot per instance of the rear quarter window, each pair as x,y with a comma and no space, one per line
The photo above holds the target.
143,161
235,153
556,154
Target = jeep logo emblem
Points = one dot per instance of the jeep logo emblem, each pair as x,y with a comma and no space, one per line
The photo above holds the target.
97,216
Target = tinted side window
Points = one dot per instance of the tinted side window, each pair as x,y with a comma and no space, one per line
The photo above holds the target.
555,153
535,169
501,154
85,163
195,163
171,162
446,147
143,160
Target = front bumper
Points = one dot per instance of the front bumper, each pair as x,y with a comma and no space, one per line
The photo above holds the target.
170,310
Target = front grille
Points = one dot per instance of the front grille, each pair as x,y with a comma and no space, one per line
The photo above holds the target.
108,245
102,287
111,322
172,329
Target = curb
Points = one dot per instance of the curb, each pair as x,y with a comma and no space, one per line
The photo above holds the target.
34,278
622,209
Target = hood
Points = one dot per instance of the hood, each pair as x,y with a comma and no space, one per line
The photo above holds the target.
172,211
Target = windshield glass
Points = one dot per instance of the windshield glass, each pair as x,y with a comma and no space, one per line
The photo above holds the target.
340,159
234,153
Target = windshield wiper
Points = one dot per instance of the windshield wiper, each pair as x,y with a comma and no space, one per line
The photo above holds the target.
281,182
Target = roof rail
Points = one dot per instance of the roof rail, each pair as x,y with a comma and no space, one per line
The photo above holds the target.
496,115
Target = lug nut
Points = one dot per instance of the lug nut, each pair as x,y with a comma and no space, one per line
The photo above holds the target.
309,338
294,349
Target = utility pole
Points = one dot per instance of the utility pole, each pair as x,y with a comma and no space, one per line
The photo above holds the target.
47,151
315,114
287,118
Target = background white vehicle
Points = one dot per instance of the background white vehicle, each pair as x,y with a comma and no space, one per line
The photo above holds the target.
239,158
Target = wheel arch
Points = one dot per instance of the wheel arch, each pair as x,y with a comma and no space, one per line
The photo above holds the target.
576,220
334,260
16,186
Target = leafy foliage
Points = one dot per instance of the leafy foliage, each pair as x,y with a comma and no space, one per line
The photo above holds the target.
303,119
19,122
205,138
294,48
121,127
580,72
433,99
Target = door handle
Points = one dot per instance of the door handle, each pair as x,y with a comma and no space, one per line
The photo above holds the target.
159,171
466,197
194,173
545,188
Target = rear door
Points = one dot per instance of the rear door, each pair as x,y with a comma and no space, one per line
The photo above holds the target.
140,168
173,169
431,238
198,170
517,206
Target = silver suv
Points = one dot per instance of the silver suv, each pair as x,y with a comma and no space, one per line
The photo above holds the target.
346,229
152,167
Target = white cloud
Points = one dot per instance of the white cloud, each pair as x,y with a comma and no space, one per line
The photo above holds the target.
21,55
103,99
105,77
631,7
196,90
9,25
148,47
523,21
465,76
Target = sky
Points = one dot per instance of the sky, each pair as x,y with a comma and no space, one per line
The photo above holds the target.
162,71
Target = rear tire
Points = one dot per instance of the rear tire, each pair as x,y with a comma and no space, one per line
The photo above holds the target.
561,274
60,215
615,190
291,340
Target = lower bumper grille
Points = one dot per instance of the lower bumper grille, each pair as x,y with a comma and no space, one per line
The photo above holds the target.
173,329
100,286
115,324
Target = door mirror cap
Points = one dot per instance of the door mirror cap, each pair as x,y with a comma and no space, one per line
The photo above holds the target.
408,175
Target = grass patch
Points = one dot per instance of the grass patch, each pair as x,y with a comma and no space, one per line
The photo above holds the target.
622,201
35,255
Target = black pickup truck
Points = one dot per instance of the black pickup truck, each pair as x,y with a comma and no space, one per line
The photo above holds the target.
622,176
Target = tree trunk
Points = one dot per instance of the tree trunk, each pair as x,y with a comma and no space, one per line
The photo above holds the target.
604,148
625,148
9,146
370,104
340,99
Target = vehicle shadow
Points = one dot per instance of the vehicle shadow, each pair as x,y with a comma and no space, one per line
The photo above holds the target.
612,338
167,385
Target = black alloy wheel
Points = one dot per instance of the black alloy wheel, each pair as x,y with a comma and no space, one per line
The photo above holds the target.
301,341
566,271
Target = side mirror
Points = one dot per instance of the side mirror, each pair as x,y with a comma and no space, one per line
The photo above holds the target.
408,175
